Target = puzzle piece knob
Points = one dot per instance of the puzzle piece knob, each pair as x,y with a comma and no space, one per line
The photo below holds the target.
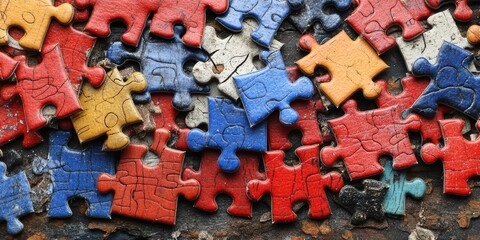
196,140
288,116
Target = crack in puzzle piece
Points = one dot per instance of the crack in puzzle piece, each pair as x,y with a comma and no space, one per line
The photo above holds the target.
46,83
15,199
191,13
364,204
229,131
269,15
363,136
107,109
394,202
352,65
33,17
149,192
451,83
462,11
313,11
229,57
288,185
134,16
412,89
269,89
75,173
213,181
373,18
429,44
459,156
162,64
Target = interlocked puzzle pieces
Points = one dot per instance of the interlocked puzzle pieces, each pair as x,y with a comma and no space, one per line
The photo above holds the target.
107,109
149,192
229,57
162,64
44,84
74,174
33,17
270,89
372,19
452,83
364,204
269,14
14,199
214,181
352,65
428,46
314,11
363,136
288,185
229,131
462,11
189,12
459,156
399,187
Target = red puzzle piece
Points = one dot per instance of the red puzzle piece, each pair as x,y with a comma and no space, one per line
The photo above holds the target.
413,87
288,185
44,84
145,192
460,157
7,66
364,136
189,12
372,19
213,181
462,11
13,124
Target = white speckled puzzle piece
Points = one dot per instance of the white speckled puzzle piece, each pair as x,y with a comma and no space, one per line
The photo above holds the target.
229,57
199,114
429,43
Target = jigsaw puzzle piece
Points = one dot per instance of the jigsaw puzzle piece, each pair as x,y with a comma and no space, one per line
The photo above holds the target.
288,185
313,11
107,109
352,65
473,34
269,15
80,15
264,91
462,11
229,131
8,66
149,192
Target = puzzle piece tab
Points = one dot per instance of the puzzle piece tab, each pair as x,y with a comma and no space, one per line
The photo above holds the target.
162,64
313,11
264,91
462,11
352,65
107,109
229,131
363,136
269,14
149,192
288,185
74,174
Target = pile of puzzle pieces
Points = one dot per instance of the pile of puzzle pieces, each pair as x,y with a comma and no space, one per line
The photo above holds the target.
236,115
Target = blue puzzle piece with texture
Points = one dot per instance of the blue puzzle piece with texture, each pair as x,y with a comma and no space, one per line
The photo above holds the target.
451,83
270,89
162,62
74,174
15,199
394,201
315,11
229,131
269,14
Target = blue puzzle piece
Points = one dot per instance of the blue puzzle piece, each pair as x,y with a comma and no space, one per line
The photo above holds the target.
162,62
269,89
75,174
14,199
451,83
229,131
394,201
269,14
314,11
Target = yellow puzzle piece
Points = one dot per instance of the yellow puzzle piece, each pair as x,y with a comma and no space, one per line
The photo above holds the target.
33,16
108,108
352,65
